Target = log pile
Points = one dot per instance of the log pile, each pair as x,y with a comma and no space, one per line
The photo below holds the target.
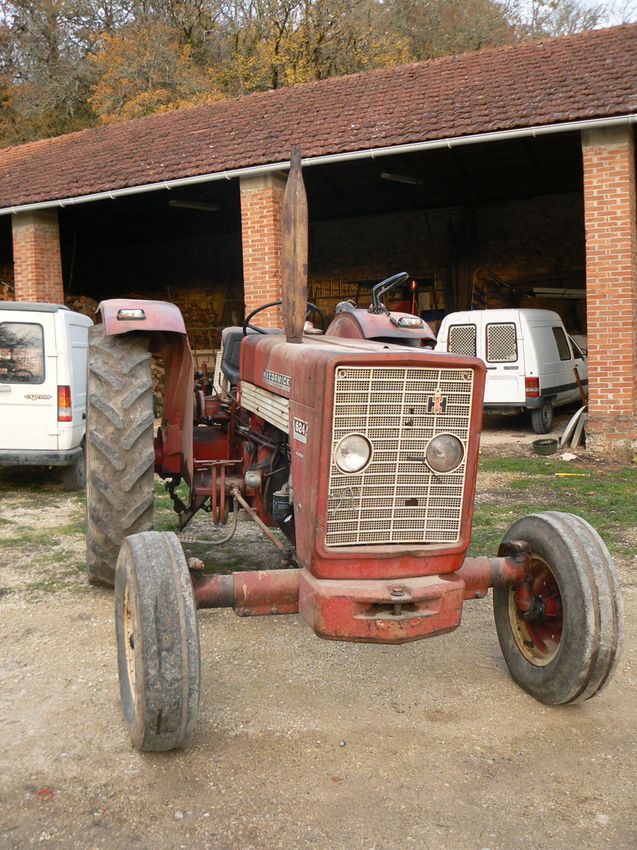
82,304
157,372
6,282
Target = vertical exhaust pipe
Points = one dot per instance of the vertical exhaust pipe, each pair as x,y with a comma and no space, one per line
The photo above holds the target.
294,252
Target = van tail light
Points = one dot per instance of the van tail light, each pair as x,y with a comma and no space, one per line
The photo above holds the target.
532,387
65,411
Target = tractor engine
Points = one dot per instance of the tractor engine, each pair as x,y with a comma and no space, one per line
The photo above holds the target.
367,452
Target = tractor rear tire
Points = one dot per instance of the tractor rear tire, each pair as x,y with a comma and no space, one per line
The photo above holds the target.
119,448
561,629
542,418
157,642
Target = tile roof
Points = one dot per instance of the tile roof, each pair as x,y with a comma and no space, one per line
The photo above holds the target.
589,75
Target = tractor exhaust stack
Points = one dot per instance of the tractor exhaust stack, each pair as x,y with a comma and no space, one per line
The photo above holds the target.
294,253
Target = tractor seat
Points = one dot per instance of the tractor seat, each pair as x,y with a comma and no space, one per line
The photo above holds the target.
231,345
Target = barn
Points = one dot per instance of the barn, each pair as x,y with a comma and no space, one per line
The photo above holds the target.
494,178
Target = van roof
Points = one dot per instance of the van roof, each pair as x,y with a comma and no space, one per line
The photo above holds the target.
32,306
506,314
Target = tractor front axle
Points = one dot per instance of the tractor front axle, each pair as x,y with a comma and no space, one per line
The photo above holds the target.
375,611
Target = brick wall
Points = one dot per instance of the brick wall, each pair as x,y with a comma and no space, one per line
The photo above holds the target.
611,272
261,216
37,266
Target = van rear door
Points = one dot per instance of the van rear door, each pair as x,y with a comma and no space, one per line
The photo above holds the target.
503,354
28,381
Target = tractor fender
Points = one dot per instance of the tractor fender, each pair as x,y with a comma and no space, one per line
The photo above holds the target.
155,316
167,338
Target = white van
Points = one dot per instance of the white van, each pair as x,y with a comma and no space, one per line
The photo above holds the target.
43,357
532,363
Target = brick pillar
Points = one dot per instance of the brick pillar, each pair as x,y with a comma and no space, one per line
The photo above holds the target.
261,218
37,264
611,286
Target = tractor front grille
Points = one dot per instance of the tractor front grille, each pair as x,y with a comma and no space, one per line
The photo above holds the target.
397,499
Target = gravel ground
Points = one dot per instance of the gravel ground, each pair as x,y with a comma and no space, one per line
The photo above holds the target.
301,743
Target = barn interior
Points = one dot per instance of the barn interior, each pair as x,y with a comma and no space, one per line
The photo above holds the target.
475,225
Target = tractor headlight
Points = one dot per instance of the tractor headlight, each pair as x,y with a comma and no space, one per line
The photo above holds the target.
444,453
353,453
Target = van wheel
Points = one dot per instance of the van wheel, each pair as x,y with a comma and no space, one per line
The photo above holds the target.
542,418
119,448
560,628
158,653
74,476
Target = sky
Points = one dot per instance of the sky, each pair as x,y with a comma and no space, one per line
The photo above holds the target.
619,11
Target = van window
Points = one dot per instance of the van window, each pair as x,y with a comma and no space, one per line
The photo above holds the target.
462,340
21,353
563,347
502,343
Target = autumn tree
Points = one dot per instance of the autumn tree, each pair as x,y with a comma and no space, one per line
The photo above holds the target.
146,69
433,28
66,64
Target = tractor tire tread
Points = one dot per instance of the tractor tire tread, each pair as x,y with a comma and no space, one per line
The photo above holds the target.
120,454
161,702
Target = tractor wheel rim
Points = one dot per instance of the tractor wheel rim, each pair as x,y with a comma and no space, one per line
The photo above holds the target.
129,644
537,635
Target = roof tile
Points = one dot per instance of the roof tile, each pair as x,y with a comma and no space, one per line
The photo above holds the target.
590,75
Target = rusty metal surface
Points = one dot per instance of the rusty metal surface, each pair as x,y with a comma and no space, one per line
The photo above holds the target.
160,316
360,324
481,573
294,252
391,611
176,440
396,610
253,593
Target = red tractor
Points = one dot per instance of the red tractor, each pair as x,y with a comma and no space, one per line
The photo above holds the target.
364,454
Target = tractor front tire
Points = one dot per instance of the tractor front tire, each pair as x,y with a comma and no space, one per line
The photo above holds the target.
561,628
119,448
157,642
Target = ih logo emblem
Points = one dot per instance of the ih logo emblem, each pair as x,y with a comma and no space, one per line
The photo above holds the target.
436,404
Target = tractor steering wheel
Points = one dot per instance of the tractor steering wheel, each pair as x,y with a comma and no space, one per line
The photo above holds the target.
312,308
247,321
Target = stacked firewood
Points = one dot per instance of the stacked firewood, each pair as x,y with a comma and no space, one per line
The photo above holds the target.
82,304
157,372
6,282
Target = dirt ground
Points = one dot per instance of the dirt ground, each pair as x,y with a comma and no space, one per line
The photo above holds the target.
301,743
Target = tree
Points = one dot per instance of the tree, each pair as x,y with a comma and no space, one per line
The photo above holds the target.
433,28
546,18
146,69
67,64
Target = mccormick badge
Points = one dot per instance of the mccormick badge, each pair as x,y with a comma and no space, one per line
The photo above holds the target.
274,379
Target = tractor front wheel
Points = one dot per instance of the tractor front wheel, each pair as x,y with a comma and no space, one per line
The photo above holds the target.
560,628
157,642
119,448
